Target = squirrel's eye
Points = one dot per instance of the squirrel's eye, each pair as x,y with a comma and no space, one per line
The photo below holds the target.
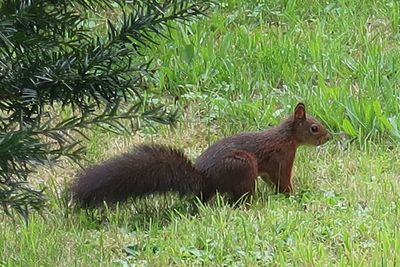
314,129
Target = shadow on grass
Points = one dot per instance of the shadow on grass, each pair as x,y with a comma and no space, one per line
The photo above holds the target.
154,211
142,214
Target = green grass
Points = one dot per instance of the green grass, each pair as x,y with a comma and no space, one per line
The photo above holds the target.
343,54
345,212
244,68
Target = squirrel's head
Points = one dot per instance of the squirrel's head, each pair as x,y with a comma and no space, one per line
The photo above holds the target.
306,129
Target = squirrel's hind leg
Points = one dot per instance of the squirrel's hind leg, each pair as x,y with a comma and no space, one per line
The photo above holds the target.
237,176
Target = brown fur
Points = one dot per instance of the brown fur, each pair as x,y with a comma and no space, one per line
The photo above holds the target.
231,165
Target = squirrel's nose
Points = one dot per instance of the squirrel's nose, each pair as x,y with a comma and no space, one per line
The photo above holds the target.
328,136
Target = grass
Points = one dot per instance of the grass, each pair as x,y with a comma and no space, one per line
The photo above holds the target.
343,54
243,68
345,212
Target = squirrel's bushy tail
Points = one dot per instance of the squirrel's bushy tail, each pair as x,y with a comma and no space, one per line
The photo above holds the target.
145,170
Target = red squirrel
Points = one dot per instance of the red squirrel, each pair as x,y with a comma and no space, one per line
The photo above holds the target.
231,165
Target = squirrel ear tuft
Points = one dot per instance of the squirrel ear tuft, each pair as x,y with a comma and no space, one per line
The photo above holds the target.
300,112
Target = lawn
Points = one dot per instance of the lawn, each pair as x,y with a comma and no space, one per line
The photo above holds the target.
244,68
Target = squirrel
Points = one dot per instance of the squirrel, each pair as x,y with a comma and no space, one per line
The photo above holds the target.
231,165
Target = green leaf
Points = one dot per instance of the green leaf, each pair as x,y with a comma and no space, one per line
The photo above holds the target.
377,108
226,42
132,250
188,53
348,128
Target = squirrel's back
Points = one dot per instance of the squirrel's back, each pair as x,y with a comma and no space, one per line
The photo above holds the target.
145,170
255,143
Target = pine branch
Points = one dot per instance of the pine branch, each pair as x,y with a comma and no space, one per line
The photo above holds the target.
50,60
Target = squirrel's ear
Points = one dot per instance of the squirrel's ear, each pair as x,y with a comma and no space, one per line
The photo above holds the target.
300,112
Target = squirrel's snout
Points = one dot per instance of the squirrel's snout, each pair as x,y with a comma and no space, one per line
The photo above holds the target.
328,136
325,138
